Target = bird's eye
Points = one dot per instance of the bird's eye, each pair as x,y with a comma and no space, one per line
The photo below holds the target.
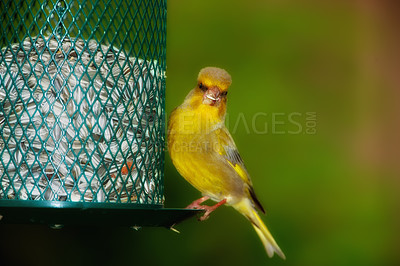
202,87
224,93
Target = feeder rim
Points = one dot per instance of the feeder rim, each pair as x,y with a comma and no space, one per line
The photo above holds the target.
91,213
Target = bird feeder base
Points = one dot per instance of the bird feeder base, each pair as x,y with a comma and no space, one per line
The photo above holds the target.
57,214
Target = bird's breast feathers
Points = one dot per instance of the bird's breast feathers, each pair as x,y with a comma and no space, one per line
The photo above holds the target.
209,161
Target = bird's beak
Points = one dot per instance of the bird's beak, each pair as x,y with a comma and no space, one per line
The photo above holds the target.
212,96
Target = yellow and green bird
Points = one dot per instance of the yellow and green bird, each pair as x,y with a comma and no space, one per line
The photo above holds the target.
204,153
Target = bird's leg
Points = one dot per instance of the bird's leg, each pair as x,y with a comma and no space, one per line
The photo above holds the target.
208,209
196,204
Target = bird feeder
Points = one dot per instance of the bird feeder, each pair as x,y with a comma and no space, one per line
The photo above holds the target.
82,91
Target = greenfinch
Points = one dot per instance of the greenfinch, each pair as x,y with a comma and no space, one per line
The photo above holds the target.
204,153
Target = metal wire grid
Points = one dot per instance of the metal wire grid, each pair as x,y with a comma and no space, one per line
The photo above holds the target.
82,100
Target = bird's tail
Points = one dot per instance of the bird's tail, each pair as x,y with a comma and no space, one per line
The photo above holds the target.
246,208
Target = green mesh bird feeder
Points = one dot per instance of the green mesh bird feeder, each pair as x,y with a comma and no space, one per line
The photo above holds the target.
82,122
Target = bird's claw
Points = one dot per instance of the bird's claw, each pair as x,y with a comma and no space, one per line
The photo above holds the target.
208,209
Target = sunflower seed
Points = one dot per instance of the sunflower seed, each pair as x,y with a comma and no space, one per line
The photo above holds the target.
72,114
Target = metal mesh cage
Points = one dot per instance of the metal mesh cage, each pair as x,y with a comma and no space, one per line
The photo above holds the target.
82,101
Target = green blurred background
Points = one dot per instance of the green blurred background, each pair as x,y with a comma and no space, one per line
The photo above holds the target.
314,111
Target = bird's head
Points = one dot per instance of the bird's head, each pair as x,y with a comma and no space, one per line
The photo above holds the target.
208,99
212,85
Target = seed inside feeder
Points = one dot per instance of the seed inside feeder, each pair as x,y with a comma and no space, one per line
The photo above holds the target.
79,121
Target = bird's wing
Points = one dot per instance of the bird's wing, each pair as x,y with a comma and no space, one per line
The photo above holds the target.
227,149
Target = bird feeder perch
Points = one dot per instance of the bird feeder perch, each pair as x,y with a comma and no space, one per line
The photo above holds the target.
82,119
